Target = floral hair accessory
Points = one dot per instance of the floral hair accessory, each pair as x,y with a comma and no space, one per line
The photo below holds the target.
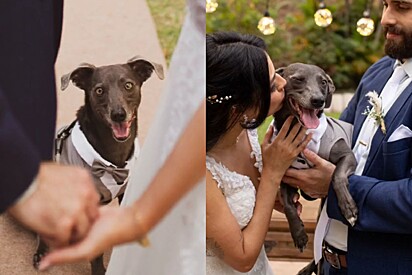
376,112
212,99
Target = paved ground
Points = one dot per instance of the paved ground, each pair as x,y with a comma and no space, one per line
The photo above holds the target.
98,32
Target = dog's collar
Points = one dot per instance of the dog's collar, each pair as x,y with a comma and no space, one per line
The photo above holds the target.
87,152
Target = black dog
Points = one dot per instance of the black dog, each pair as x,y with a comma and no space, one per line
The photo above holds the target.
307,92
104,136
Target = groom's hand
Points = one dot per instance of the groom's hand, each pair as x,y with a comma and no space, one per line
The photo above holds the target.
313,181
62,207
115,225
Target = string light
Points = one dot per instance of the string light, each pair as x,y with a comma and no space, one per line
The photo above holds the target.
211,6
365,26
267,24
323,16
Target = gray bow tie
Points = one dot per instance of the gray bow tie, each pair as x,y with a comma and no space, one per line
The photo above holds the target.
118,174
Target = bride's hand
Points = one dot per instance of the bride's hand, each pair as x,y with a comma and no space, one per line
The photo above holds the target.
279,154
114,225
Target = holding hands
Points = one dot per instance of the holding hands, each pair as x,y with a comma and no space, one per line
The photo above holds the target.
62,207
115,225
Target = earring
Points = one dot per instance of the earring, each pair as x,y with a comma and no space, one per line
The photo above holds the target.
245,119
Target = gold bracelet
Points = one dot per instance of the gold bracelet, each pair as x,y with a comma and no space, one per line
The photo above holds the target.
144,240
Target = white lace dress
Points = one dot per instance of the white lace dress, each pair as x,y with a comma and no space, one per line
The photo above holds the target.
178,241
240,195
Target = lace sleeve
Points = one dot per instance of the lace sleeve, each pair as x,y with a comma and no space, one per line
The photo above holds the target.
256,149
211,166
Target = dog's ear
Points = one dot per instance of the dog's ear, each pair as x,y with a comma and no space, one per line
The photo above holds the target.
331,90
144,68
280,71
80,76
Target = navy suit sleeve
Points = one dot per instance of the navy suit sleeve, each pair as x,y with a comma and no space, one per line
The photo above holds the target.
19,159
29,41
378,211
384,200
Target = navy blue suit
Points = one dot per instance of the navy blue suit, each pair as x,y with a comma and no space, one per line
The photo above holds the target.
29,39
381,240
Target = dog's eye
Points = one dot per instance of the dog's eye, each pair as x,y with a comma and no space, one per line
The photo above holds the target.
99,91
298,79
128,85
324,82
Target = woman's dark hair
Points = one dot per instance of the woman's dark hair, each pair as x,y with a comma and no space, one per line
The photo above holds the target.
236,66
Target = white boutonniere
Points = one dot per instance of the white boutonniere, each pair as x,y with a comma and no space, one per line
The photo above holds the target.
376,112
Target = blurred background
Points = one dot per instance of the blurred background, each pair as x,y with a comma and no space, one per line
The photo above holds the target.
338,47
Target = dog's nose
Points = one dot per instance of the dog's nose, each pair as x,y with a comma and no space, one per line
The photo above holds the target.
317,102
118,115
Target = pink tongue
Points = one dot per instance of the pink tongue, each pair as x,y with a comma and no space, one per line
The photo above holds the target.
121,130
310,119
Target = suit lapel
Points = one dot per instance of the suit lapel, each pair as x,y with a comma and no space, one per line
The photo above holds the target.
377,85
389,119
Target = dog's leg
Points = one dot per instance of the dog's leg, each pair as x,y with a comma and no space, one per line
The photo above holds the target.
42,250
297,229
120,198
309,269
341,155
98,266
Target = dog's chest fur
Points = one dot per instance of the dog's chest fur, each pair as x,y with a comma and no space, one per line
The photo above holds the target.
75,150
335,130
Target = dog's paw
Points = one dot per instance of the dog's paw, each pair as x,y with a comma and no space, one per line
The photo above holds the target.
98,266
300,238
99,271
349,211
37,257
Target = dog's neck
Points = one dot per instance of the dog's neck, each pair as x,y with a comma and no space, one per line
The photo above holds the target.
101,138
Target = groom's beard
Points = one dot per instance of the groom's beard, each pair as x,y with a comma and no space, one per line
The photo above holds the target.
401,49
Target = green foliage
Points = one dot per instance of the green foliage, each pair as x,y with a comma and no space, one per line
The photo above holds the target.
263,128
168,16
338,49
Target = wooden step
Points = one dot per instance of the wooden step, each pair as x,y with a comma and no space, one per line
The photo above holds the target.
279,243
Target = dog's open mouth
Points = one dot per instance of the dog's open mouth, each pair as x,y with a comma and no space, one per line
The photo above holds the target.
308,117
121,130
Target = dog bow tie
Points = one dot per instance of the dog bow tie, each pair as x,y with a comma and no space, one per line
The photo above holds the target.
118,174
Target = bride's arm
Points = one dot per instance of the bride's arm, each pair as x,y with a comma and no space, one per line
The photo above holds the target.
240,248
237,248
182,170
